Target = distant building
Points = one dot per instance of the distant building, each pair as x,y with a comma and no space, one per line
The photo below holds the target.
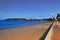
28,18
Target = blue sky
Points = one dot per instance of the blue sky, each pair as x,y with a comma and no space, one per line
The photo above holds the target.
28,8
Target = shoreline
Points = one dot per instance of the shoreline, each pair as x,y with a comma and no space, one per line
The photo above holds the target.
24,25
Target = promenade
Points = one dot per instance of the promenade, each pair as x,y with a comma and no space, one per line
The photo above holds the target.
56,32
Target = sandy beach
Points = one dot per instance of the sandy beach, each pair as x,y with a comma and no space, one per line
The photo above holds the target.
31,32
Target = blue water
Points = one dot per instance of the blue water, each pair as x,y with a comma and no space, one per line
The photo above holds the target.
6,24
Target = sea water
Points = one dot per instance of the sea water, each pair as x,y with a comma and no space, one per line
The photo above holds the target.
6,24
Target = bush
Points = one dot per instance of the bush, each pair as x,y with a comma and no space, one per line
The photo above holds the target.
59,19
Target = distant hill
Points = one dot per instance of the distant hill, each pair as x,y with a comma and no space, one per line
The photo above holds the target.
27,19
16,19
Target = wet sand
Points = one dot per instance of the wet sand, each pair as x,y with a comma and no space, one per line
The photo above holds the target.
56,31
31,32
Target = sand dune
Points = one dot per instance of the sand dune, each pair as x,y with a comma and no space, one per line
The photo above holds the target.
31,32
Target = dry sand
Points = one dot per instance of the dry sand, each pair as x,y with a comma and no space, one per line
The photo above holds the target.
31,32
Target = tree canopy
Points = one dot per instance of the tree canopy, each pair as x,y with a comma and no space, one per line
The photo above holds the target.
58,15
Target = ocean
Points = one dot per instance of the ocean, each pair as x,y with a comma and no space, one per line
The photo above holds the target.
6,24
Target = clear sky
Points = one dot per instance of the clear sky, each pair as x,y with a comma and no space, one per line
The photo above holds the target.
28,8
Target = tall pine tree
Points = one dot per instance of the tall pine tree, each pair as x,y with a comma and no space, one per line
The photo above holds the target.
58,17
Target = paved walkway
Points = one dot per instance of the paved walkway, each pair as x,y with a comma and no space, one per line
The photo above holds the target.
56,32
